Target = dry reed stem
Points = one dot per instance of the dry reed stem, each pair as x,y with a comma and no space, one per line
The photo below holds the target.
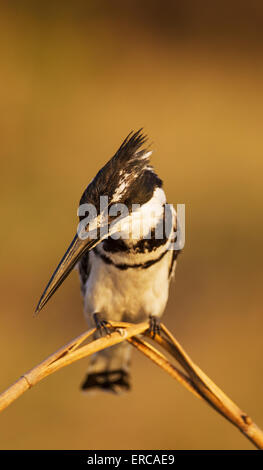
193,378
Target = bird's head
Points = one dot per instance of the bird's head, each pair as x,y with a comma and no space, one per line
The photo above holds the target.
126,180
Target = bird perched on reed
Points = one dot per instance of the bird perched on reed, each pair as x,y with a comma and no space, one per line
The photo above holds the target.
125,261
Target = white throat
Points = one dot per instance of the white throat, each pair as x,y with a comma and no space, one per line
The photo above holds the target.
139,223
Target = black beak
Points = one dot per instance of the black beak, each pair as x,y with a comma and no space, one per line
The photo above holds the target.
76,249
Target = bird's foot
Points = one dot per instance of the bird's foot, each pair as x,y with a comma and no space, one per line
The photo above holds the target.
154,326
102,326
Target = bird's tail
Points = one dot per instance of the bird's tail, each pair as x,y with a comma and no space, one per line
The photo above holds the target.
108,370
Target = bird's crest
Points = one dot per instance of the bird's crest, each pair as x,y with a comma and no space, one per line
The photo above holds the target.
129,149
121,175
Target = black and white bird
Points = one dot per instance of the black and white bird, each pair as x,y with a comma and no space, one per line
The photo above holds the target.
124,274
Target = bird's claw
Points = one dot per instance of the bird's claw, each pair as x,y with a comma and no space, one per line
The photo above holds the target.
154,326
102,326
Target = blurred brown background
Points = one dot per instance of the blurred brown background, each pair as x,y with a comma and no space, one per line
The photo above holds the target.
76,77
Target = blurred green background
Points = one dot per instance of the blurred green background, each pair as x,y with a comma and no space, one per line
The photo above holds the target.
76,77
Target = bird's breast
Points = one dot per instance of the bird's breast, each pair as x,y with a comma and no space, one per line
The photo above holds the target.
128,279
127,293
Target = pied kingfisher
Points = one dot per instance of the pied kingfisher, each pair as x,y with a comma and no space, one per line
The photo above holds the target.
127,277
